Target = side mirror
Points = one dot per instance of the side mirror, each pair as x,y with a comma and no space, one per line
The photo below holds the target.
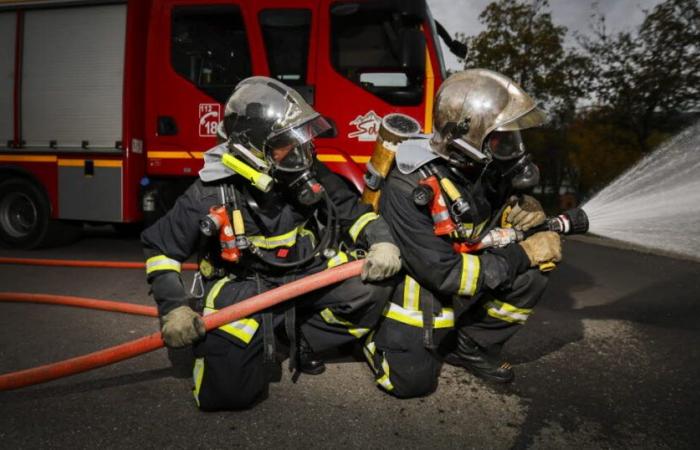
412,55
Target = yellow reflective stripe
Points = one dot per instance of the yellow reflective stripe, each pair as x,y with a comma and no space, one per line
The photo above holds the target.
340,258
411,294
161,262
470,274
507,312
209,303
370,349
169,155
429,91
197,376
331,319
243,329
361,223
331,158
26,158
446,319
384,381
283,240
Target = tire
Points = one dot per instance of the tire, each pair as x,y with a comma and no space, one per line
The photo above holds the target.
25,214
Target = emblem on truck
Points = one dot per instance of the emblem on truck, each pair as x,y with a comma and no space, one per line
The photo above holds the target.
209,114
367,127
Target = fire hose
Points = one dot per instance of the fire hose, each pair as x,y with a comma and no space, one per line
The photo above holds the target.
574,221
36,375
77,263
80,302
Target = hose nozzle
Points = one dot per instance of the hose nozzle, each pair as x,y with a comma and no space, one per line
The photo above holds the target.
573,221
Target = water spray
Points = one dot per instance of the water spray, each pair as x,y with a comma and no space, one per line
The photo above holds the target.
656,203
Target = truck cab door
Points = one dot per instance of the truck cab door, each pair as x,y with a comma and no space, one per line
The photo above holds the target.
197,53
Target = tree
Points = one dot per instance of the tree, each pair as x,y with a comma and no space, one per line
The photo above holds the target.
646,81
521,41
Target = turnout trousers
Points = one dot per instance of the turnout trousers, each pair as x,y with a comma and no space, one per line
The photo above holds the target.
234,364
404,351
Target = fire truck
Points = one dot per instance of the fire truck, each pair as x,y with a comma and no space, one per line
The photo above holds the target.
106,107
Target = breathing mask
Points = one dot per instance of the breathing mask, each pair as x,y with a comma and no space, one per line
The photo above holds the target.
507,150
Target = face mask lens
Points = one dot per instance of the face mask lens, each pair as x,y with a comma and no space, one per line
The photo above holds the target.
505,145
292,158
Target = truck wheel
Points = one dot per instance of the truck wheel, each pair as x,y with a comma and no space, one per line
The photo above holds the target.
24,214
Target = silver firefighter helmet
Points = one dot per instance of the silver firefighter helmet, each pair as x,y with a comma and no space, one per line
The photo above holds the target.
269,125
478,103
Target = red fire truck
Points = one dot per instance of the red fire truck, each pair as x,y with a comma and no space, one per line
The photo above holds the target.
106,107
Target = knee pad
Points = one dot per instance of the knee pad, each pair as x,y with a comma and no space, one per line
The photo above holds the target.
227,376
404,367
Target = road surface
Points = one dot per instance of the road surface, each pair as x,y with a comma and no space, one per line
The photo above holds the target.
610,359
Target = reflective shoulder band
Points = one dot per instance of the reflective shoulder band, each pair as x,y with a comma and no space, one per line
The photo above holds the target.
471,266
361,223
507,312
161,262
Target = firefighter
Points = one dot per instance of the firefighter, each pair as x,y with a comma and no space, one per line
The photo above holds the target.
265,212
445,191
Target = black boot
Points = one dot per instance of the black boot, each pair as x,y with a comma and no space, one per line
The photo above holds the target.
469,355
308,362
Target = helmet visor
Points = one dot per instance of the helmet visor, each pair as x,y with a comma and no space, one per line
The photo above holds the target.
533,118
504,145
298,135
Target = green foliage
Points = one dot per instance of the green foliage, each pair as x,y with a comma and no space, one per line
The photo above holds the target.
644,81
522,42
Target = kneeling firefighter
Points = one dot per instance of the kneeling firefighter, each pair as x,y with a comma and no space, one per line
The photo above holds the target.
265,212
444,194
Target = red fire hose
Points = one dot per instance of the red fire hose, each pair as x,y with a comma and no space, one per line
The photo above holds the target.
154,341
66,300
77,263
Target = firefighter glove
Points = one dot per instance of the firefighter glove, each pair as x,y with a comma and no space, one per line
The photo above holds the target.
542,247
383,261
181,327
527,213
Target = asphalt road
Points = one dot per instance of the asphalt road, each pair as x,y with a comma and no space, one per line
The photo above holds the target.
609,360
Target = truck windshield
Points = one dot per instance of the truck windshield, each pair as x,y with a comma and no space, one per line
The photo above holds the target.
209,48
380,48
286,35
